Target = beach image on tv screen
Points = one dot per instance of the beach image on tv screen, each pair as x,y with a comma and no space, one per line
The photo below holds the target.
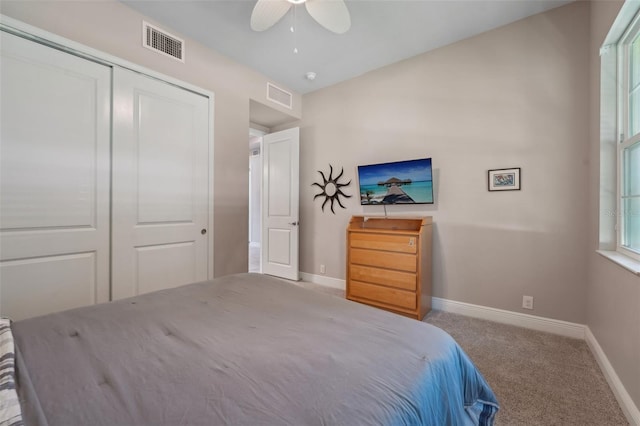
403,182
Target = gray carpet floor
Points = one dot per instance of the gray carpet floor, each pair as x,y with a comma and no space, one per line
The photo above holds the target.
540,379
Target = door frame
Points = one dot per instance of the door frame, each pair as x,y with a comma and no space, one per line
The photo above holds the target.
254,132
21,29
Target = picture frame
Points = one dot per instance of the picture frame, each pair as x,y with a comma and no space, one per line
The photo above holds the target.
504,179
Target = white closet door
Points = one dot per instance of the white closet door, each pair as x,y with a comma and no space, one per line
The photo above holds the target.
160,185
54,179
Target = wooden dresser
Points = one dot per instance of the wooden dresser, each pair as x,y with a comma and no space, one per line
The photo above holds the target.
389,263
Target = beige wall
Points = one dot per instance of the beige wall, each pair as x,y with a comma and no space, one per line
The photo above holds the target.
517,96
613,293
114,28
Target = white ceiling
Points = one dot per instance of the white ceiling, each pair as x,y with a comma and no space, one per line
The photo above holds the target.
382,32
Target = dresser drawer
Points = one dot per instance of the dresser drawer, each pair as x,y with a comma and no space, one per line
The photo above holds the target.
402,280
397,243
382,259
389,296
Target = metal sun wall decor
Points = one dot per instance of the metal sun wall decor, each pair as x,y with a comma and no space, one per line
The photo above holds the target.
331,188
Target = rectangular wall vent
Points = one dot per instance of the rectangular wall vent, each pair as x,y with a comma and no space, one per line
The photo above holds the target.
162,42
279,96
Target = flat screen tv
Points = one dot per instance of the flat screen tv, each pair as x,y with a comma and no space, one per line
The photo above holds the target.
401,182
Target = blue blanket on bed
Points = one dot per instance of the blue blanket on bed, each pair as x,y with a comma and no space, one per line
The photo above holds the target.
456,383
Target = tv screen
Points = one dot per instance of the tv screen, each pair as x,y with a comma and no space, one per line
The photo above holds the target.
402,182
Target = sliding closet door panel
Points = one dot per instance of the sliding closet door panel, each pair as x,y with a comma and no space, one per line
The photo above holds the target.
150,277
166,160
54,179
48,277
160,185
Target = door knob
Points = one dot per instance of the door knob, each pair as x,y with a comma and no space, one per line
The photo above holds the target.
204,231
294,223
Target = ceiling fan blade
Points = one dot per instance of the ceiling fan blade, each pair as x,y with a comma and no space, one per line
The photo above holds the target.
331,14
267,12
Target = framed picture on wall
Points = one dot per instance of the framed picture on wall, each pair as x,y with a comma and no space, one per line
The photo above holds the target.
504,179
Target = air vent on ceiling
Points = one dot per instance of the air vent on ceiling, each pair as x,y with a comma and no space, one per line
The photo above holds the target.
162,42
279,96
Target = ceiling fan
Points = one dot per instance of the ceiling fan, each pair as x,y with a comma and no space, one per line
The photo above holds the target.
331,14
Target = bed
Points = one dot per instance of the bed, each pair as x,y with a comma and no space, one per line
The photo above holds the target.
244,349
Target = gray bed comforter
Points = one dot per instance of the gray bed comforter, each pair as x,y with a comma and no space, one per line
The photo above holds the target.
243,350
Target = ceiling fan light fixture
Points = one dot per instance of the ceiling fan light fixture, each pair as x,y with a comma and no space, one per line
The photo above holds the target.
331,14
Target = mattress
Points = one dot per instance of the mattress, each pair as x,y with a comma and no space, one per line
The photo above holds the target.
244,349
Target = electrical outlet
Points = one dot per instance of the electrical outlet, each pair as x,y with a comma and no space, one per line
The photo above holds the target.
527,302
323,270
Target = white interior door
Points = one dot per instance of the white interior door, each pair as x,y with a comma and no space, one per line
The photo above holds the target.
280,203
54,179
161,170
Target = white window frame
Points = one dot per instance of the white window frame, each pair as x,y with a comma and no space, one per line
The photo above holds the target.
625,139
611,141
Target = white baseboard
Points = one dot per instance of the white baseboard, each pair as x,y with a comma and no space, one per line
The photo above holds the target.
324,280
563,328
492,314
533,322
629,408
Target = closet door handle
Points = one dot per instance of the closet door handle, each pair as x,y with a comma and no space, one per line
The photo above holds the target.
203,232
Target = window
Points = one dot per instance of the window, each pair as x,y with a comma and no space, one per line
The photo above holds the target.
628,225
619,198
